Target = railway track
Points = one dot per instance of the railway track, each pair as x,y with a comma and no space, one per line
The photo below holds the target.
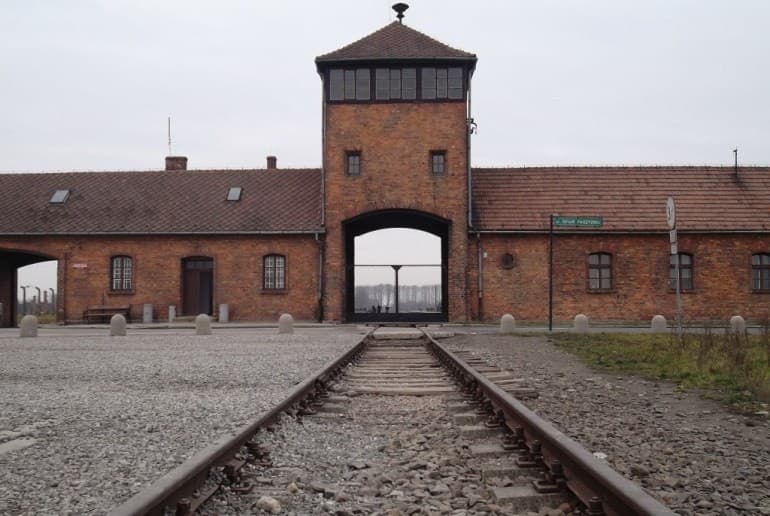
405,427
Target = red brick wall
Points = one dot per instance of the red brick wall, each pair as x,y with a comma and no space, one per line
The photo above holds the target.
395,141
157,273
721,279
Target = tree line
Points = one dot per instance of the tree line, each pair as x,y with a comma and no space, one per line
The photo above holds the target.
411,298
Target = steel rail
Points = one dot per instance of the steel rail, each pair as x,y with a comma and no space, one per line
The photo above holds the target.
183,480
589,478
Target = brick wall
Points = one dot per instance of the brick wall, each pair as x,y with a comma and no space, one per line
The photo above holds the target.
395,141
721,277
84,273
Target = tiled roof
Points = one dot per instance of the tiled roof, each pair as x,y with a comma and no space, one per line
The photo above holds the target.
189,201
628,198
395,41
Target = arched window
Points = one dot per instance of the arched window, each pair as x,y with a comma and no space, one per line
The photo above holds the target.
600,271
685,271
274,266
760,271
122,273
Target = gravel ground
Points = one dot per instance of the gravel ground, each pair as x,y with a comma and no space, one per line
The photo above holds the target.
692,454
106,416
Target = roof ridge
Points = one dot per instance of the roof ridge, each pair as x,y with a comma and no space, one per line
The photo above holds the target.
395,41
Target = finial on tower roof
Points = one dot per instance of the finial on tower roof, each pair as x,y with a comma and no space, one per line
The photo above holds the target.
400,8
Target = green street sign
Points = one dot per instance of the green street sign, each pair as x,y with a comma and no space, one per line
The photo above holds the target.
581,222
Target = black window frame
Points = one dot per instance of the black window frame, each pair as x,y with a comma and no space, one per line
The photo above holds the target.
342,83
438,163
685,283
273,274
353,163
605,272
760,272
121,273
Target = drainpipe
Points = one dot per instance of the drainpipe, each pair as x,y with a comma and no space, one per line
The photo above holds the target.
320,310
480,279
469,128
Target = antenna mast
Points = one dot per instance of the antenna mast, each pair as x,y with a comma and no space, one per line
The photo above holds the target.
169,135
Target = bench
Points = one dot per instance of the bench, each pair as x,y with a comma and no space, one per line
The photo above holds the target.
103,314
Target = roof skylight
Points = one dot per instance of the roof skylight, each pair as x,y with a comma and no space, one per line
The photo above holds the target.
60,197
234,193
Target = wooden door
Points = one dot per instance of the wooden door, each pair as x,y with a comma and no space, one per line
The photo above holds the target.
197,285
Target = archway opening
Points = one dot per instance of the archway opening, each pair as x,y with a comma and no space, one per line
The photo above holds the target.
28,285
396,267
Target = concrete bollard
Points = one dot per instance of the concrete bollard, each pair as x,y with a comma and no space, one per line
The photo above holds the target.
171,313
507,324
581,324
658,324
117,326
147,313
203,325
286,324
737,324
28,327
224,313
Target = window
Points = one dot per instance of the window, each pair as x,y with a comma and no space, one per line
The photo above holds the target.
438,163
760,271
349,84
275,271
442,83
122,273
685,271
353,163
234,193
600,271
395,84
59,197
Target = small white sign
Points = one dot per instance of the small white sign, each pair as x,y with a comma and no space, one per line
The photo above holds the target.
671,213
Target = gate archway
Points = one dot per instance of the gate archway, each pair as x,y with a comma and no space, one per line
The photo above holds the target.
387,219
11,260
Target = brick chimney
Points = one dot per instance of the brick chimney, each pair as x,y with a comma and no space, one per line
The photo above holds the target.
176,162
272,162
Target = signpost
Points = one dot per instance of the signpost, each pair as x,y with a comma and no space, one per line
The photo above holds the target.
564,221
672,238
580,222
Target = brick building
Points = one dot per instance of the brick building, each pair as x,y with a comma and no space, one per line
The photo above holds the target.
397,132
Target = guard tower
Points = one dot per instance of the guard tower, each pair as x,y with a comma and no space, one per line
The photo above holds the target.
396,148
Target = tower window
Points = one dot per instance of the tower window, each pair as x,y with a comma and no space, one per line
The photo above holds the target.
353,163
395,84
442,83
349,84
438,163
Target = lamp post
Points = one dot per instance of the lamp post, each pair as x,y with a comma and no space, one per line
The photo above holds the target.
39,300
24,299
53,301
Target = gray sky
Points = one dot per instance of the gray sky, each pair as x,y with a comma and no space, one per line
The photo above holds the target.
87,85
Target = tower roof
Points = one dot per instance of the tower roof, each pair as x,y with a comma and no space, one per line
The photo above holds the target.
395,41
